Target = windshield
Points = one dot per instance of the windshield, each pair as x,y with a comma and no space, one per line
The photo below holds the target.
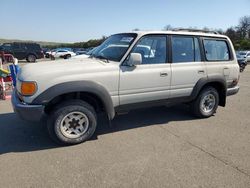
238,56
114,47
242,53
90,52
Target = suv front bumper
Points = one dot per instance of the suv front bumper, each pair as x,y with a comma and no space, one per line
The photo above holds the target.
233,90
25,111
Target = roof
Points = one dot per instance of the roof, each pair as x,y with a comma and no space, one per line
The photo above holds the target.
180,32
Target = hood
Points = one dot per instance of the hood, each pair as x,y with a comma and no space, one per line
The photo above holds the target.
57,68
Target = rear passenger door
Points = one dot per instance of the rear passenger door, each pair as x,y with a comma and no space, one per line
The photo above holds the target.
187,65
19,51
219,59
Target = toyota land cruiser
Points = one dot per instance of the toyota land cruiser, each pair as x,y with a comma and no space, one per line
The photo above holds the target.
129,70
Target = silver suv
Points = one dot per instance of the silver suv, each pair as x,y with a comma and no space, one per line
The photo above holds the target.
127,71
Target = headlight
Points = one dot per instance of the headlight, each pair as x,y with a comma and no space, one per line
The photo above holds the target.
28,88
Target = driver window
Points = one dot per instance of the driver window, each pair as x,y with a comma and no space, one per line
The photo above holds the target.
152,49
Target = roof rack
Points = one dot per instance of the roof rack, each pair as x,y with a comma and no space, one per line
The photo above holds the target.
195,30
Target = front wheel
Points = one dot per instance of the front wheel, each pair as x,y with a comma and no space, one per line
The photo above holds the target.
31,58
72,122
206,103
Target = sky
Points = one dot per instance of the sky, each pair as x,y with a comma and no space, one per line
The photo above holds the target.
81,20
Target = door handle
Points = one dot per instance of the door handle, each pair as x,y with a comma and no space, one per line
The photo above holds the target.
226,71
162,74
201,71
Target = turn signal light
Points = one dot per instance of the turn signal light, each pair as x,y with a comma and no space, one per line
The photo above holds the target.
28,88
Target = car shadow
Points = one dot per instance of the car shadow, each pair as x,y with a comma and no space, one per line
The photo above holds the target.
20,136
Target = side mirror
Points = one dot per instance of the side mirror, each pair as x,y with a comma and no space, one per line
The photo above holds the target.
134,59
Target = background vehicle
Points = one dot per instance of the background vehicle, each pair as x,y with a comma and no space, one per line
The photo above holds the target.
89,53
245,55
79,51
248,58
48,53
28,51
62,53
242,62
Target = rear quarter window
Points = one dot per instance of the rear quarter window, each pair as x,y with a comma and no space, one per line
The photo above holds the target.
216,50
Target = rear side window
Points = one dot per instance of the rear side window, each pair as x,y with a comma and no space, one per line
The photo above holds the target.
216,50
185,49
16,46
6,46
32,46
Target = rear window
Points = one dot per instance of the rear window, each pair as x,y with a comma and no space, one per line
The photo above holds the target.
216,50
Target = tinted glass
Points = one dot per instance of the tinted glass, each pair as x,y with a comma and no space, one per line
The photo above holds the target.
216,50
6,47
32,46
153,49
182,49
16,46
243,53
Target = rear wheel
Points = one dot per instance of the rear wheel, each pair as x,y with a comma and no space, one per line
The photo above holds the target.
206,104
31,58
72,122
67,56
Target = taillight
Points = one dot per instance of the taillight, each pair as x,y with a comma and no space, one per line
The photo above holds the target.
235,82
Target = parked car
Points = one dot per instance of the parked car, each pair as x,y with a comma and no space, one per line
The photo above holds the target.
195,68
62,53
48,53
88,54
245,54
29,51
242,62
79,51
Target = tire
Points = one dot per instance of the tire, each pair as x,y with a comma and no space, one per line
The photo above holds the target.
63,123
242,67
31,58
67,56
206,103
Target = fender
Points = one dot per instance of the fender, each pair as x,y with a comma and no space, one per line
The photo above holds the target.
211,79
77,86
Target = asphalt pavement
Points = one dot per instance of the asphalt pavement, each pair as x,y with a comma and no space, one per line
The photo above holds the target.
155,147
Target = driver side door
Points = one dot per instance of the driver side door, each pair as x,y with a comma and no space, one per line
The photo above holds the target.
149,81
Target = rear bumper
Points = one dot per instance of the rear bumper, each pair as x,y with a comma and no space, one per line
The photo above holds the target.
40,55
25,111
233,90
